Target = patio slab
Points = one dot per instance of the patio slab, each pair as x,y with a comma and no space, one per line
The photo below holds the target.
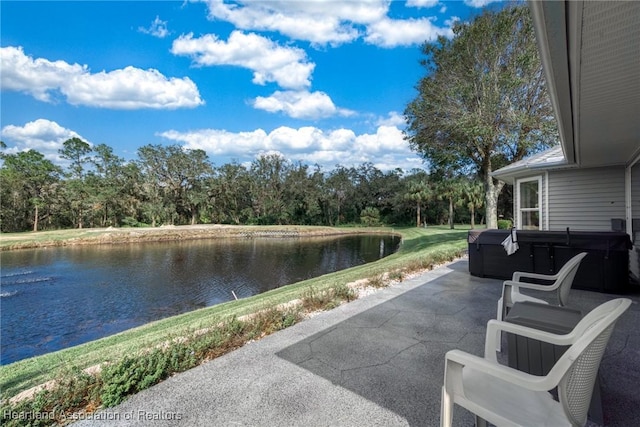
377,361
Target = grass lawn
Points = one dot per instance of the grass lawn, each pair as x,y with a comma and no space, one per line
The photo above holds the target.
420,249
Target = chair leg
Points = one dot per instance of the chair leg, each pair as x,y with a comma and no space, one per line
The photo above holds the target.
446,409
480,422
500,316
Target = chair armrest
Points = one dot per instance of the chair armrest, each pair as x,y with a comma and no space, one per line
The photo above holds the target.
455,360
493,326
523,274
534,286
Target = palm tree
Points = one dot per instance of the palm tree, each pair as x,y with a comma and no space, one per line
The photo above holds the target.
450,190
473,193
420,192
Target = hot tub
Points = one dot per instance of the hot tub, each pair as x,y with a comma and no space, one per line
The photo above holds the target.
604,269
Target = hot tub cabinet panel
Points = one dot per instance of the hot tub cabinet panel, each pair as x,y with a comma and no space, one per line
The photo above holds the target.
604,269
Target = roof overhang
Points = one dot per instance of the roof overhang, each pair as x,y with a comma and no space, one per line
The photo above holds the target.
590,52
551,159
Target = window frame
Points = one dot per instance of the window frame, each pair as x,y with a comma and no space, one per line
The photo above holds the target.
520,209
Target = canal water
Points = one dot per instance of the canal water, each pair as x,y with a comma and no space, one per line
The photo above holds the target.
53,298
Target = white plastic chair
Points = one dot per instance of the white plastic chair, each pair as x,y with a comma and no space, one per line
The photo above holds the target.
562,282
507,397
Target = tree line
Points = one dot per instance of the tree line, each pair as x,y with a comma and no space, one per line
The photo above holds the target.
170,185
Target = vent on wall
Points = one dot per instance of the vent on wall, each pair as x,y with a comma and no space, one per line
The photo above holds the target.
618,224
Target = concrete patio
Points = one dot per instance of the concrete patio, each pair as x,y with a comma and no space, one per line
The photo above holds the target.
376,361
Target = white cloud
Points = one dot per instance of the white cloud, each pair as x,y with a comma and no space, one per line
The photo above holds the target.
300,105
479,3
393,119
319,22
41,135
132,88
311,145
392,32
386,139
128,88
158,28
220,141
422,3
324,22
38,77
270,62
452,20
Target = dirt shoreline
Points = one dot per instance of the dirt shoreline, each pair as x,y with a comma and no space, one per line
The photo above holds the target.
113,235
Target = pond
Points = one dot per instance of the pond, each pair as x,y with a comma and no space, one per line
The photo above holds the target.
53,298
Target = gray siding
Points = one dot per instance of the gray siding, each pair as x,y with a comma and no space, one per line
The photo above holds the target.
586,199
635,191
634,255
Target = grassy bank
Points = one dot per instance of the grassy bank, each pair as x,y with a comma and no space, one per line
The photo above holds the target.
92,236
420,249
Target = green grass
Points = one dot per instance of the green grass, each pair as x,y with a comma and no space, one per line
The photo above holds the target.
420,248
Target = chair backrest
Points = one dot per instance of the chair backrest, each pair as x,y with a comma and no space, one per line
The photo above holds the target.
566,275
582,359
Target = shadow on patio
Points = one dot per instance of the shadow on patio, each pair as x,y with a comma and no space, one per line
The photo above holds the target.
393,354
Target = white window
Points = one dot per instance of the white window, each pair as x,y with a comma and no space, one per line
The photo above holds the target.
529,203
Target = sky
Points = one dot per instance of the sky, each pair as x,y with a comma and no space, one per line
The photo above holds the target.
320,82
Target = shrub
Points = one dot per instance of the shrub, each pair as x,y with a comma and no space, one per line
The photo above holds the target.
505,224
130,222
272,320
131,375
377,281
370,217
344,292
313,300
397,275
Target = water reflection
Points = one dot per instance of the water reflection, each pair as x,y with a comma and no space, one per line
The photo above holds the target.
59,297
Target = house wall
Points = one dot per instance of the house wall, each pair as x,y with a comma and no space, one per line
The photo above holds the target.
635,192
586,199
634,254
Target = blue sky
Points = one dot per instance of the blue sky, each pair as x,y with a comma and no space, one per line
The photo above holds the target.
322,82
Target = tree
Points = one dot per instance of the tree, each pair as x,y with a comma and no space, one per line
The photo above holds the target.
472,193
268,173
29,180
420,192
109,183
77,151
174,185
339,188
483,103
370,216
450,189
302,194
229,193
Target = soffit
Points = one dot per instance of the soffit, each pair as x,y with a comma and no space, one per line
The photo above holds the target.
607,117
590,51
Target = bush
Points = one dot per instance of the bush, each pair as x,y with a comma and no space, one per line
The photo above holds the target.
377,281
505,224
370,217
130,222
131,375
344,293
